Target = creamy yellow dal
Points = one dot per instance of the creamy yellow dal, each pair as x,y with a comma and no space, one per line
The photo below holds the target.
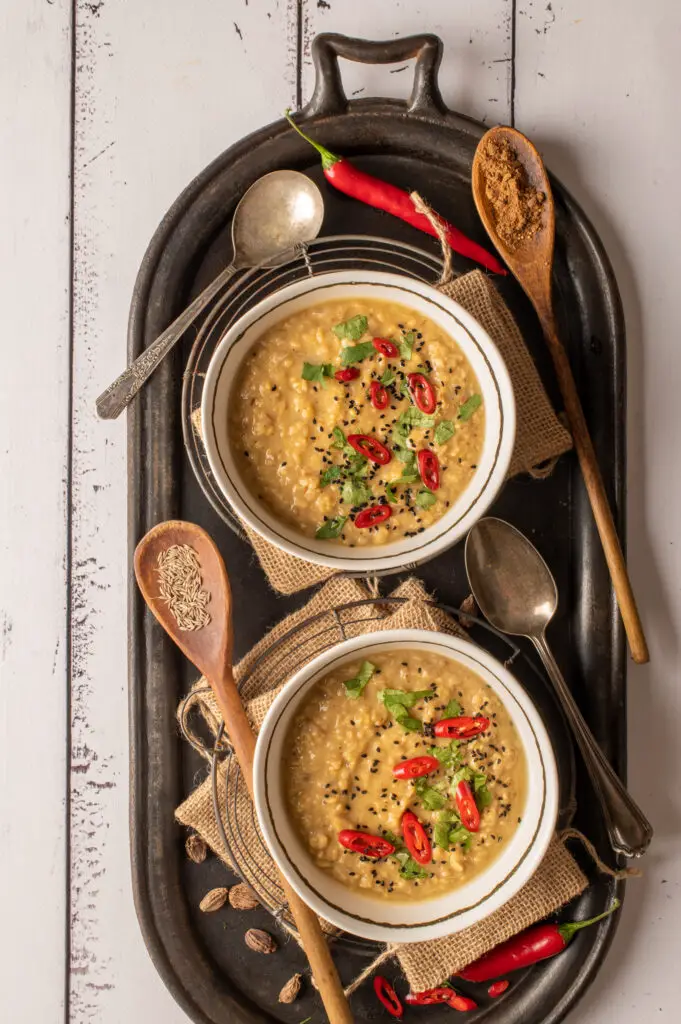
281,425
338,774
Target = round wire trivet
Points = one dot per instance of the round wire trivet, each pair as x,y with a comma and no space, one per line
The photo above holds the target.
246,850
322,256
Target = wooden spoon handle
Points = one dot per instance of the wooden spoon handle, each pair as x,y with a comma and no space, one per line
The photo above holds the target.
597,496
316,948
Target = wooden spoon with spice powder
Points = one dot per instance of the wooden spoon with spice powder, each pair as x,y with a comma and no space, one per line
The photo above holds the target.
195,609
513,196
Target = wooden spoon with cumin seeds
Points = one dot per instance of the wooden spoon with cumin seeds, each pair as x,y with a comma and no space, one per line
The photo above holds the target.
531,262
210,647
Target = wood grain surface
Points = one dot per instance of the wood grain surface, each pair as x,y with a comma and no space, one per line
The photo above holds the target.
107,109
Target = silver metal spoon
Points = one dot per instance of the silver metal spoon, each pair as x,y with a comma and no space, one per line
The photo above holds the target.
516,592
280,211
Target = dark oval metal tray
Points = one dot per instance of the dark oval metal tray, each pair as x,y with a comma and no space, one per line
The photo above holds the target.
414,144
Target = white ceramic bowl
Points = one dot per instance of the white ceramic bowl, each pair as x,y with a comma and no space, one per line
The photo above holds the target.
383,919
478,348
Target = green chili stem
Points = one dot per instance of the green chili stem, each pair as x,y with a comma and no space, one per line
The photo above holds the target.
568,930
328,158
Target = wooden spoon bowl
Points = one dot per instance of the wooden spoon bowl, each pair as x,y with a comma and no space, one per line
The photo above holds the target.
210,649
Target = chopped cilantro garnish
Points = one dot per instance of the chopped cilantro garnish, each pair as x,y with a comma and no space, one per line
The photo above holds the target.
443,431
413,417
483,797
316,372
443,827
425,498
468,408
387,377
452,710
329,475
431,798
397,702
332,528
448,756
390,492
354,687
339,439
354,492
352,329
461,835
355,353
409,869
407,344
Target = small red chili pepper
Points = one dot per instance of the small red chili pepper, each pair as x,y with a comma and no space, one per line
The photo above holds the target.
416,767
498,988
422,392
348,179
365,843
467,807
387,995
534,944
378,395
370,448
429,468
372,516
429,996
352,373
415,838
386,347
462,728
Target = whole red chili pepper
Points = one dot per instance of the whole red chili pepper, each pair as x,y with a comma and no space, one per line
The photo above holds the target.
372,516
352,373
378,395
467,807
415,838
422,392
498,988
387,995
429,468
462,728
416,767
347,178
365,843
534,944
370,448
386,347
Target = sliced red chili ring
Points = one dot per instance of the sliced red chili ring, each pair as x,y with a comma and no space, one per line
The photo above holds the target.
415,838
387,348
462,728
498,988
365,843
352,373
378,395
429,468
462,1003
422,392
387,995
416,767
371,448
372,516
467,807
429,996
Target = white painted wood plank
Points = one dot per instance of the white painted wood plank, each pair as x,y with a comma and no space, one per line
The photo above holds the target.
597,88
160,92
35,77
475,77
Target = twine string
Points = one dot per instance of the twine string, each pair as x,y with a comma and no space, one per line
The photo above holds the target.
573,833
425,210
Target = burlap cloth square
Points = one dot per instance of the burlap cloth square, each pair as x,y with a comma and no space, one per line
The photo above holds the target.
557,880
540,435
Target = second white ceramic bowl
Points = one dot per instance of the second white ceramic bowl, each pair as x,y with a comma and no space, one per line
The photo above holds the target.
477,346
382,919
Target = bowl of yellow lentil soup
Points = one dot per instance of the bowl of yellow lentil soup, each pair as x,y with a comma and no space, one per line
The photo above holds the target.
359,424
405,785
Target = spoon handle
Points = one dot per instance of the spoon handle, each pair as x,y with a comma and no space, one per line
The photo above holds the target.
629,830
314,944
118,395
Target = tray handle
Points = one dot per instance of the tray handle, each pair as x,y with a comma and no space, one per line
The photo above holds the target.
329,96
